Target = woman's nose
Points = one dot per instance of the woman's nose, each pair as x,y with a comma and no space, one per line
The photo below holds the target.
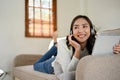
80,30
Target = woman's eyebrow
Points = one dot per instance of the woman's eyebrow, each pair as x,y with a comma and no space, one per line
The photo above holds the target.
76,25
85,24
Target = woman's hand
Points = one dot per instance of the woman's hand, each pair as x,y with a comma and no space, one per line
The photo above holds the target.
116,48
76,45
73,43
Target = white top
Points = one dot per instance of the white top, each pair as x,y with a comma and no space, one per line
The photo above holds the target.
64,57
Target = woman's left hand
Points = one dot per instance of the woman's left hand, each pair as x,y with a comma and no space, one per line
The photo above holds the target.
116,48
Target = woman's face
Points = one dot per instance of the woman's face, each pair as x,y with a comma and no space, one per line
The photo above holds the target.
81,30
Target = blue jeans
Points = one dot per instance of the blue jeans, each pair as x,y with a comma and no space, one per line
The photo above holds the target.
43,64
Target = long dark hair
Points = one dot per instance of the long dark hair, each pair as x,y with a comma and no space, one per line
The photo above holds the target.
91,39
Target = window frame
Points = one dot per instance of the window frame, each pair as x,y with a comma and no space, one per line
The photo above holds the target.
27,20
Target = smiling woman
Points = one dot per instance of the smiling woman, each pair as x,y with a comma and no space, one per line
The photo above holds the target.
40,18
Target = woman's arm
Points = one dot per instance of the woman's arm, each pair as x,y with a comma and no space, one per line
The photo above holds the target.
64,57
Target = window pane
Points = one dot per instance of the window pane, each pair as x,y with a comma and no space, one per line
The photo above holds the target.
37,29
30,2
37,3
45,15
31,29
46,29
30,13
37,13
46,3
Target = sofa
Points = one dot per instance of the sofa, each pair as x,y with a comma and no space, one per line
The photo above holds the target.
105,67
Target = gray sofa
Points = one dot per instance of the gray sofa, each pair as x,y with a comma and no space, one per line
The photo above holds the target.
89,67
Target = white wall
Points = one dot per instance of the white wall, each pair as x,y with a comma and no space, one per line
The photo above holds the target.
67,9
105,14
12,40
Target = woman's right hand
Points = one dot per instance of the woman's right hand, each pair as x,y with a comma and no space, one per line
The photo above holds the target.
73,42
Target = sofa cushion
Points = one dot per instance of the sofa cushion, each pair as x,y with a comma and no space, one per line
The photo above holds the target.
28,73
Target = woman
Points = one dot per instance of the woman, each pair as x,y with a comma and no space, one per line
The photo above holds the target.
78,44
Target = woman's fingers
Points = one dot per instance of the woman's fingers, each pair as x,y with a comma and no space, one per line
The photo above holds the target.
116,48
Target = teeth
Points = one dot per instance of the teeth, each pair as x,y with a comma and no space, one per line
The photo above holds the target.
81,35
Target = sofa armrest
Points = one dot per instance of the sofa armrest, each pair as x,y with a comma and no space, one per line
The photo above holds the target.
99,68
25,59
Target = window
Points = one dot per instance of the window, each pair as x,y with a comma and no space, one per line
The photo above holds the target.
40,18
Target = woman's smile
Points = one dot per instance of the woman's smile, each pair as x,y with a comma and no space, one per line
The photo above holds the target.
81,35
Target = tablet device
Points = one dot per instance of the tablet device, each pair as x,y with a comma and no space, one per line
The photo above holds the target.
104,44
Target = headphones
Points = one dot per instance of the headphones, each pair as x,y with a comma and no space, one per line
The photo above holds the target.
92,30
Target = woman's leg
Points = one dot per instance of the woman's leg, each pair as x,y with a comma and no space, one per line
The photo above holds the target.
44,63
45,66
52,51
46,56
48,65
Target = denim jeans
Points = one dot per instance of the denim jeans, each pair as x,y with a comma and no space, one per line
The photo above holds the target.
43,64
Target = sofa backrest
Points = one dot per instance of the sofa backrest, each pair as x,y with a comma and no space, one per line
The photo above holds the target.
110,32
99,68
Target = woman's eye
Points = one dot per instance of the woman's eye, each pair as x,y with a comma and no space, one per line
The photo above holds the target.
85,26
75,27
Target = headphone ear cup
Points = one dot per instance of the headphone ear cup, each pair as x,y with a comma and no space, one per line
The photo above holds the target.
92,31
